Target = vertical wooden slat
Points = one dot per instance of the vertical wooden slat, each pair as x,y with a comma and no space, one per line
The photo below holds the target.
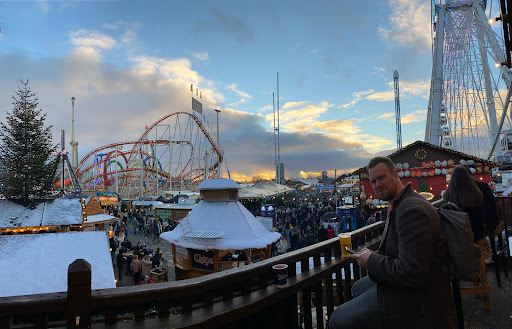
40,321
245,287
163,308
207,299
227,293
6,321
318,296
139,310
339,285
78,304
186,304
306,302
329,295
111,316
347,284
357,270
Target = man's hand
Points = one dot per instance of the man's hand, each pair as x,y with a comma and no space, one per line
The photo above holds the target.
362,257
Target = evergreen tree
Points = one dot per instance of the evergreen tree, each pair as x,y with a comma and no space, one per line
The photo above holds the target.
25,149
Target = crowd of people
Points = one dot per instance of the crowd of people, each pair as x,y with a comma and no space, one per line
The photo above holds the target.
309,217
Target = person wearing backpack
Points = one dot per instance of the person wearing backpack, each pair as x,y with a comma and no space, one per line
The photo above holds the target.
463,191
406,286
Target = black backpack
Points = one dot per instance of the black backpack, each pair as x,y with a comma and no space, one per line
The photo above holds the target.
463,256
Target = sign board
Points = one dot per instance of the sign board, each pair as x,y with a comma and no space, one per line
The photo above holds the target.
108,198
202,259
267,222
163,213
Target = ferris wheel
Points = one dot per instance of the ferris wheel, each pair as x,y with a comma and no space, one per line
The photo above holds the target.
469,84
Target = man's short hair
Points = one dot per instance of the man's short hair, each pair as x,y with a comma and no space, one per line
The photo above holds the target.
385,160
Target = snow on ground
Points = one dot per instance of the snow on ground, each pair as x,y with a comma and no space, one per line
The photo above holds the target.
38,263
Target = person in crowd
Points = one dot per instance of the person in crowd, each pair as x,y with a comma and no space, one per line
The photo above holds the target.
135,225
120,263
463,191
330,232
157,229
138,247
113,247
144,279
281,246
121,236
137,268
164,266
371,220
406,286
147,265
322,233
492,222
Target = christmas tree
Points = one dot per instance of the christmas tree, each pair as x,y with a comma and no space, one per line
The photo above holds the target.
26,147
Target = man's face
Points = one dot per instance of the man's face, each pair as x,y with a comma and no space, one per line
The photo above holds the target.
384,182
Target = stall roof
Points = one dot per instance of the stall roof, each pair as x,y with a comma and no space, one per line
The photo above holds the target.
146,203
99,218
38,263
62,211
237,226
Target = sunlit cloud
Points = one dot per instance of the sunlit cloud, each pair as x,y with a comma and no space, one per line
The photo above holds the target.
409,23
417,116
290,105
85,38
355,98
382,96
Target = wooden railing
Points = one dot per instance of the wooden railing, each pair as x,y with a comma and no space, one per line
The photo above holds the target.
244,297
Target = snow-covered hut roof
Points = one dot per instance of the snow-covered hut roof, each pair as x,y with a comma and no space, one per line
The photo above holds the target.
218,184
62,211
99,218
262,189
241,230
38,263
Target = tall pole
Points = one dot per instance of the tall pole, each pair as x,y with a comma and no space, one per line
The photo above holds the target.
278,146
275,141
74,143
62,153
218,169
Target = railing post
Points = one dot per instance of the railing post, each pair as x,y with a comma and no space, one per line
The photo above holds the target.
78,305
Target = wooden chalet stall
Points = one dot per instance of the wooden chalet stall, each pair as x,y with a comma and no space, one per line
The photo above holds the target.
218,234
427,167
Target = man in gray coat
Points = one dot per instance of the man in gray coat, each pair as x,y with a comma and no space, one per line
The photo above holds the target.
406,286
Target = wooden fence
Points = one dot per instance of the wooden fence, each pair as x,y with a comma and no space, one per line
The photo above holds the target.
244,297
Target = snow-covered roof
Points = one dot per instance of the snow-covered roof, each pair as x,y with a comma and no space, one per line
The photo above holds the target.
38,263
63,211
218,184
241,229
99,218
262,189
146,203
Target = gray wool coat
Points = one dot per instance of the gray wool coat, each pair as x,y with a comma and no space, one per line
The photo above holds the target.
412,289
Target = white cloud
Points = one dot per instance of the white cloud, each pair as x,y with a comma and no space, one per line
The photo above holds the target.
417,116
355,98
290,105
85,38
200,55
382,96
44,6
234,87
409,23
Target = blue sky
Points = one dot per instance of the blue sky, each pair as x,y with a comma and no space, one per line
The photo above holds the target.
128,63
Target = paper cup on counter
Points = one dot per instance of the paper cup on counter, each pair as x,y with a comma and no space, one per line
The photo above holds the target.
280,275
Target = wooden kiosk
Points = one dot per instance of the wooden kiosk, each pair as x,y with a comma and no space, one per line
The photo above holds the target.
218,234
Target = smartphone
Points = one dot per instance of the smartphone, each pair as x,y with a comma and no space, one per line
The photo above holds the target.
350,250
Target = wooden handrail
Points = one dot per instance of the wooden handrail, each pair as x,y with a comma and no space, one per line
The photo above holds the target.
246,291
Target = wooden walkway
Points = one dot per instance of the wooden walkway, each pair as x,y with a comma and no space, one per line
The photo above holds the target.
500,315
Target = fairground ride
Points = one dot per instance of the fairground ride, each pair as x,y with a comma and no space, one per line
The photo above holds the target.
468,102
175,153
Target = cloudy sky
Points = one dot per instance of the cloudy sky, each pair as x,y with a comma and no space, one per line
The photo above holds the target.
129,63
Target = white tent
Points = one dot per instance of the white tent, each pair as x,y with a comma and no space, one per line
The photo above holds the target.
221,225
38,263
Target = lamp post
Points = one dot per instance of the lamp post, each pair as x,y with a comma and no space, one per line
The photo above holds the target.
218,169
74,144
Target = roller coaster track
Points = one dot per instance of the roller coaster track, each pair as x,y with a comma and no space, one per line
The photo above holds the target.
134,170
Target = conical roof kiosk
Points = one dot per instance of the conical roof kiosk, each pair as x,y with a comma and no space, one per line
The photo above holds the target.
218,234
